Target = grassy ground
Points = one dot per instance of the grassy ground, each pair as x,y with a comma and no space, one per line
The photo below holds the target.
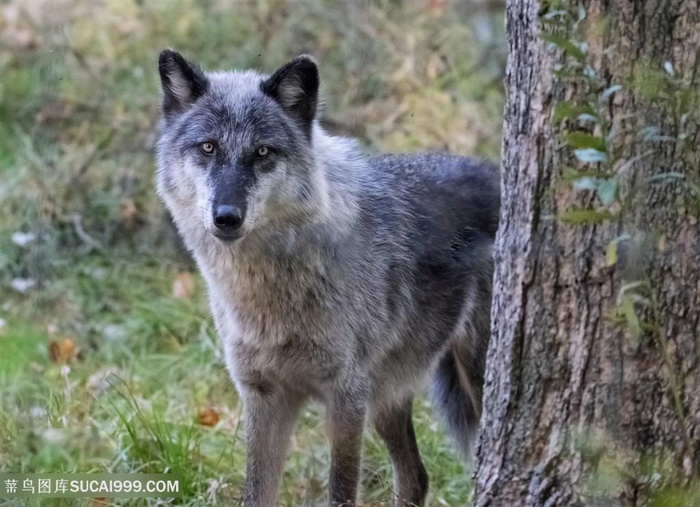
108,357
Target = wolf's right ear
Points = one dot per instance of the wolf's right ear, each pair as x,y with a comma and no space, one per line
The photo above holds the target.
182,82
295,88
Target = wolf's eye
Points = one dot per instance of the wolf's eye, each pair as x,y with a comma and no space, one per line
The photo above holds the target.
207,148
262,151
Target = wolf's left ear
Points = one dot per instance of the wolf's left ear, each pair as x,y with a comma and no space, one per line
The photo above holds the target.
295,88
182,82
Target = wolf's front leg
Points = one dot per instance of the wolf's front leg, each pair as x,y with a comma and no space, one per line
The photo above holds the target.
270,413
346,422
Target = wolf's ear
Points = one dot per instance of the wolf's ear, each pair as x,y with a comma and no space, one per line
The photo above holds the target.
182,82
295,88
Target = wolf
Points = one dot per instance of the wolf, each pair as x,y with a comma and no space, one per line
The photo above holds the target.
331,276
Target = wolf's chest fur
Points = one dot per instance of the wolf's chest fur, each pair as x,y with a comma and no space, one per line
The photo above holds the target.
274,298
280,319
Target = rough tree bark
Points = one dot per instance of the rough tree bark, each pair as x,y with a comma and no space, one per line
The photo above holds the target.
592,392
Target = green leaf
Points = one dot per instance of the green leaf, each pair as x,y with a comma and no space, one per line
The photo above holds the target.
558,13
588,117
607,189
610,90
585,140
581,14
567,110
668,67
584,216
590,156
564,110
574,173
570,173
653,133
632,321
567,46
586,183
611,253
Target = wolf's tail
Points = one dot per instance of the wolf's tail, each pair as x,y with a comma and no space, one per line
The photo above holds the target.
456,390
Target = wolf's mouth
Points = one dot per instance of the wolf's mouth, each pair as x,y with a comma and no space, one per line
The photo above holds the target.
227,237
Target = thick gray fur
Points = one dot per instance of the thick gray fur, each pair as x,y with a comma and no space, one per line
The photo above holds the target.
351,279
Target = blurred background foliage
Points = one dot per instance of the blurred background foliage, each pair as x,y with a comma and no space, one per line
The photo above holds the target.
108,358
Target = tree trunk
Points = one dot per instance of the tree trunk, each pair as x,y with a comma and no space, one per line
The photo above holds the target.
592,392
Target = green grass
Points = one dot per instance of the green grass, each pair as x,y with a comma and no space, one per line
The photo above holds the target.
78,110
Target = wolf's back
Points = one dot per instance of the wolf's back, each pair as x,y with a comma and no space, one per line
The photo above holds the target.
461,192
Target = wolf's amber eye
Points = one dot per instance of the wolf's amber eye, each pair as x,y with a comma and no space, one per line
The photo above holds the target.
262,151
207,148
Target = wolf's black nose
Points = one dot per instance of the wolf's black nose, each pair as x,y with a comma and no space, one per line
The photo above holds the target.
227,218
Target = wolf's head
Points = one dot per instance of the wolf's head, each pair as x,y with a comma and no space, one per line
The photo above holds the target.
235,152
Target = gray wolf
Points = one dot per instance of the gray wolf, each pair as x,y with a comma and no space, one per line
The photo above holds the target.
331,275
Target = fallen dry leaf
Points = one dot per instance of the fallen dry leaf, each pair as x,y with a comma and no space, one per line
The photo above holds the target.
128,213
62,351
436,7
208,417
183,285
